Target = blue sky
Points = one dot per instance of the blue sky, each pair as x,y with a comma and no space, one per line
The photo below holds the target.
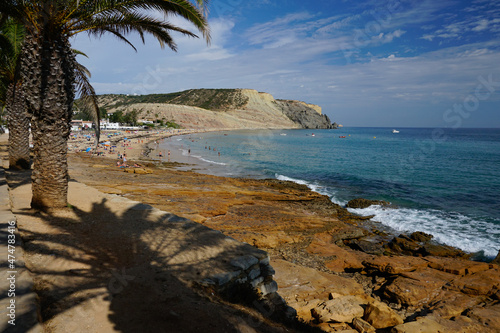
395,63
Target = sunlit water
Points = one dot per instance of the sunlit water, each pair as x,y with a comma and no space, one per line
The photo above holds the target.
443,182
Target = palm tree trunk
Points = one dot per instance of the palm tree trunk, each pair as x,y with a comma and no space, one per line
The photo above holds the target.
19,124
48,77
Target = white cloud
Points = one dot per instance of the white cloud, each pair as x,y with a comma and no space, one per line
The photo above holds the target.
301,56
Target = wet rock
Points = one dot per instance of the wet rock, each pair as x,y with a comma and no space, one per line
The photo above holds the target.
497,259
439,250
404,245
380,315
348,232
422,237
362,326
367,246
342,309
364,203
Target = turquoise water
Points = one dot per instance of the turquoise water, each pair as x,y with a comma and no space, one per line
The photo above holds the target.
444,182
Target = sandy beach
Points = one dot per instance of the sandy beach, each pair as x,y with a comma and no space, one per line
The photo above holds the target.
305,234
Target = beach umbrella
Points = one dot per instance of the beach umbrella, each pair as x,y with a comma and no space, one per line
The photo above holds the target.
88,149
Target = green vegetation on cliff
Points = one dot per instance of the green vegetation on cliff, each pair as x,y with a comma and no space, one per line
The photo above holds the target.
209,99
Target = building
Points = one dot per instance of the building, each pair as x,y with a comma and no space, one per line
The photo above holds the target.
79,125
106,125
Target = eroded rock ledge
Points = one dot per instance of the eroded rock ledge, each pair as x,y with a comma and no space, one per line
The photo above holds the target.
326,258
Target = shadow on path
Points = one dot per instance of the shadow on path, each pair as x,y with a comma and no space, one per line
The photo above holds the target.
109,270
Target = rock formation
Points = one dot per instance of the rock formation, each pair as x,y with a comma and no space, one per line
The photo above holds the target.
221,108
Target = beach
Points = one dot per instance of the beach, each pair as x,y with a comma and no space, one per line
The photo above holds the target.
311,241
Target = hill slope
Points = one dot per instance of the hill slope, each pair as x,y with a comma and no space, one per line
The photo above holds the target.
220,108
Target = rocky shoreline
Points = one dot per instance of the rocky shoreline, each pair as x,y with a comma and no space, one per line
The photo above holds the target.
336,269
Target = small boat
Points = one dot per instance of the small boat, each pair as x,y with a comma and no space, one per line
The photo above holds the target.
342,136
395,131
283,134
313,134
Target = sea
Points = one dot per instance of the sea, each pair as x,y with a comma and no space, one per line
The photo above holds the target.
445,182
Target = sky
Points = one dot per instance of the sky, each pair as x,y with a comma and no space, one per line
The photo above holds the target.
396,63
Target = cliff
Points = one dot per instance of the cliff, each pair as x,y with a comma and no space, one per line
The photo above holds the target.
220,108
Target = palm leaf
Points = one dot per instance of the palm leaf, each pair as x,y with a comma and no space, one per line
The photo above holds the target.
88,97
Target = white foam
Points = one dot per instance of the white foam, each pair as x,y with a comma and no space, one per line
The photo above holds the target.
314,187
208,161
453,229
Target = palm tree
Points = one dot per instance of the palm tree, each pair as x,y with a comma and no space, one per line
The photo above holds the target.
48,67
11,94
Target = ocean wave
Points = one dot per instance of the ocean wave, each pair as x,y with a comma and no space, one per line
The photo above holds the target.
453,229
185,152
208,161
313,186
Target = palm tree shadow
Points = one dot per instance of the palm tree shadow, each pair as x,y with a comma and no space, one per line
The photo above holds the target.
135,266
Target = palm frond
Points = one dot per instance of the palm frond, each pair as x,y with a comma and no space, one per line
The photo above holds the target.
88,97
115,14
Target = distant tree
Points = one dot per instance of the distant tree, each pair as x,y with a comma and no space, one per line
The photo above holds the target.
103,112
117,117
131,117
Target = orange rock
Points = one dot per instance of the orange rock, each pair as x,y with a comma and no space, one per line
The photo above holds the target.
305,287
457,266
363,326
418,288
342,309
379,315
422,325
480,283
452,304
488,316
343,259
395,264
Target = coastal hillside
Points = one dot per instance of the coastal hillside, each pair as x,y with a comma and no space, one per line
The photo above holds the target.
220,108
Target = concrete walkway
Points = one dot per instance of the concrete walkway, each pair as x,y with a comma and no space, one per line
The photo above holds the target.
94,262
18,304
